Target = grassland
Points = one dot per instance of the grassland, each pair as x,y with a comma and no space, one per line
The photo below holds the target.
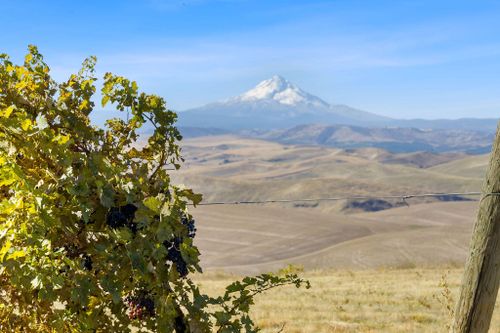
254,239
234,168
396,270
382,300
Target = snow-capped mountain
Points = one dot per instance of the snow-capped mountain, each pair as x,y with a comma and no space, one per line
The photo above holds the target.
274,103
281,91
277,103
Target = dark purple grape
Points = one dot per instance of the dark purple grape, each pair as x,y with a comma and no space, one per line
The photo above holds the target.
123,216
140,305
87,262
174,255
189,224
116,219
180,324
173,246
129,211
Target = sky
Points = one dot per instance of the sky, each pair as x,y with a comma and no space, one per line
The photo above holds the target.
403,59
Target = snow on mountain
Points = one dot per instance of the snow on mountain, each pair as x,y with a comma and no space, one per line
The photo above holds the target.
277,103
281,90
274,103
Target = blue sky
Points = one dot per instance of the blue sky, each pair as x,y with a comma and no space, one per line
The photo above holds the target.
404,59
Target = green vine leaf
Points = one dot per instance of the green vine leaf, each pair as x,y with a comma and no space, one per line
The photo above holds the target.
93,235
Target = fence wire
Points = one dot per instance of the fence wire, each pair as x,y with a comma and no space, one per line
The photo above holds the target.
402,197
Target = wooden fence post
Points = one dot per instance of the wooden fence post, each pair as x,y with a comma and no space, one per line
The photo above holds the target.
482,271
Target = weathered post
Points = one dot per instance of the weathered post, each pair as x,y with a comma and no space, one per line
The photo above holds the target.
482,271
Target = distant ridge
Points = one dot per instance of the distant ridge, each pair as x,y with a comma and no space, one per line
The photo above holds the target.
193,132
274,103
277,103
393,139
473,124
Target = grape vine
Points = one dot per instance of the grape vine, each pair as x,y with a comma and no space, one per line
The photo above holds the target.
94,237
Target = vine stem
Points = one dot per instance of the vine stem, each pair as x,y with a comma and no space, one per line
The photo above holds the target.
255,292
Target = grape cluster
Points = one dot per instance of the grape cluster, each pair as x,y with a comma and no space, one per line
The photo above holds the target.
140,305
189,223
180,324
122,216
87,262
174,255
73,252
173,246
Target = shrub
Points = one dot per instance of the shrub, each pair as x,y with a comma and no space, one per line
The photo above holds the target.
93,235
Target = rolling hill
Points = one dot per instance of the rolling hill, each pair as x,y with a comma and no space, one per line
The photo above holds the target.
394,139
257,238
235,168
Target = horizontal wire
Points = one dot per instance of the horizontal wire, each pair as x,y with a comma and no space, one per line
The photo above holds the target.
402,197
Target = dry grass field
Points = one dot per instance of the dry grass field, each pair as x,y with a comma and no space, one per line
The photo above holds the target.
394,270
234,168
252,239
382,300
256,238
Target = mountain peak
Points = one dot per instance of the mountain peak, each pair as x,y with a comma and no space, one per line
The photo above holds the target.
278,81
274,103
277,77
282,91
